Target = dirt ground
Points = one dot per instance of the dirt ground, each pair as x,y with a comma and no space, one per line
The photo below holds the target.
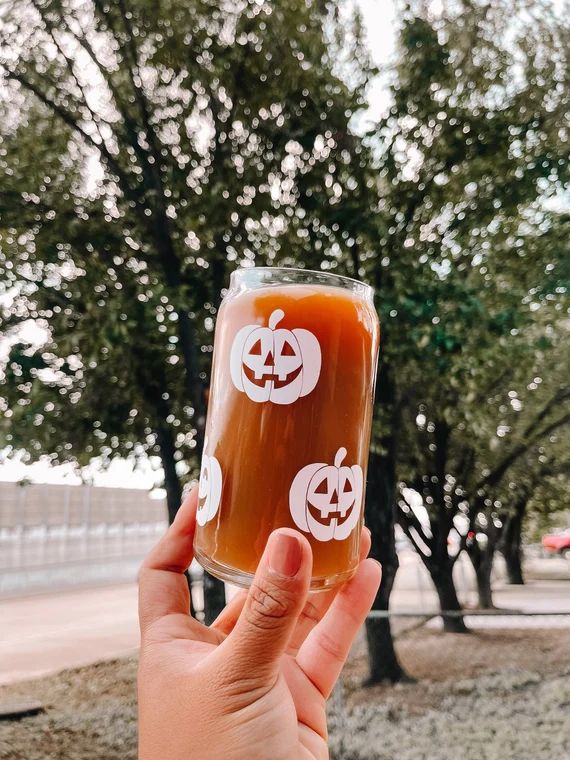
490,695
493,695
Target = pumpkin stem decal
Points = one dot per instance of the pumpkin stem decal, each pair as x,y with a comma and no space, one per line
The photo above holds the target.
209,489
275,318
339,457
274,364
326,500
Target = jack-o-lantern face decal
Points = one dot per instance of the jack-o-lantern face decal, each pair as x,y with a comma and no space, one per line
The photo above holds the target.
209,489
325,500
276,365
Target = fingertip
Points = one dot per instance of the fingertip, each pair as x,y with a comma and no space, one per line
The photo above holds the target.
370,571
185,519
364,583
191,495
365,542
174,551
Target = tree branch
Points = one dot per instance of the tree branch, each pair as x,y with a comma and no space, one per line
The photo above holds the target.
496,475
407,530
74,124
411,520
69,64
131,129
105,73
495,385
465,466
154,168
559,396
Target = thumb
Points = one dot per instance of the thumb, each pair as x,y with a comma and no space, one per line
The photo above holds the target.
273,605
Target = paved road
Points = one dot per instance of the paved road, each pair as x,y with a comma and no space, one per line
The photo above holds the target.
45,634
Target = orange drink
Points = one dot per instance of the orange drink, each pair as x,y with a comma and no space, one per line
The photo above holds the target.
289,420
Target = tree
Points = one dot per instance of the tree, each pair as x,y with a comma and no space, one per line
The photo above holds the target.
540,485
152,146
380,518
547,506
467,163
493,437
518,448
500,502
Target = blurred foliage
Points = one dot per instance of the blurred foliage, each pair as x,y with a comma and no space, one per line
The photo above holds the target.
148,148
472,267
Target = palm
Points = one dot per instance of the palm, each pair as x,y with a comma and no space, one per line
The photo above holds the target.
294,704
264,668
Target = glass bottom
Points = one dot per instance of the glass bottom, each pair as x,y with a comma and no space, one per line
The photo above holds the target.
241,578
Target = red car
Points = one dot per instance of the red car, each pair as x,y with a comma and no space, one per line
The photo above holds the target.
558,543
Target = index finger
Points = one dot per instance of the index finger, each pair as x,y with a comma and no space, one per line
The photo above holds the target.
324,651
163,589
317,606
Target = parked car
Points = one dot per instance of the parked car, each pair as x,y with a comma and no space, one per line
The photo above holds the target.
557,543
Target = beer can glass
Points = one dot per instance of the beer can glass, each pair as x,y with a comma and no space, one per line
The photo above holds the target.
289,418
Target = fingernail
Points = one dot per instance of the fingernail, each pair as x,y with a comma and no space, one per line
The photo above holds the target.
285,554
368,531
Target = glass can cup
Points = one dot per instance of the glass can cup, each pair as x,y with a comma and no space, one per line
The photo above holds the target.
289,420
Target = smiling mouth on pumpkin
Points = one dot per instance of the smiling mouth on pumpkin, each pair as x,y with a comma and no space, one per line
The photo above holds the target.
316,514
202,501
271,377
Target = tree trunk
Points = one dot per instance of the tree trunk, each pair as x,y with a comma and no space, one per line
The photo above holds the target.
511,546
513,560
384,664
380,510
214,597
482,561
442,578
187,343
165,440
437,561
380,518
484,592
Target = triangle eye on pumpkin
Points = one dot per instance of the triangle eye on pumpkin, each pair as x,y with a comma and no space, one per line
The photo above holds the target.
255,350
347,487
322,487
287,349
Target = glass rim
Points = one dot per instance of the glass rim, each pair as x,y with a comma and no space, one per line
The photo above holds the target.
335,280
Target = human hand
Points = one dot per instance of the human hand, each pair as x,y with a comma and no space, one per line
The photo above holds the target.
253,685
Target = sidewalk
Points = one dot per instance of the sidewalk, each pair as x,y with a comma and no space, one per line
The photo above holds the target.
48,633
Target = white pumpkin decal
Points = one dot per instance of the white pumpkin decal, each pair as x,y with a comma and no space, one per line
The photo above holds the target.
276,365
325,500
209,489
